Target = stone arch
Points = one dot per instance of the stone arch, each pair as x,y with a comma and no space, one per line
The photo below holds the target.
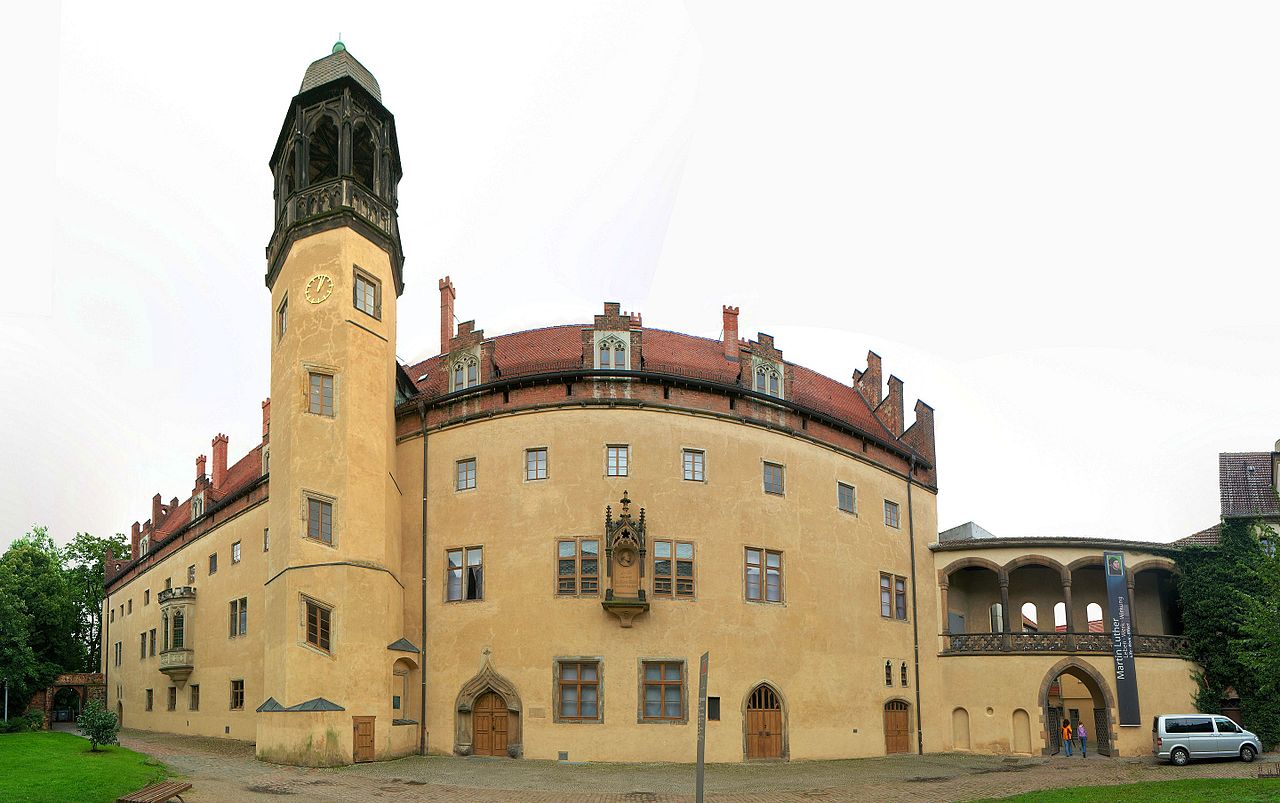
1154,563
1021,731
1034,560
487,680
901,703
960,729
1086,561
782,702
944,574
403,687
323,148
1096,683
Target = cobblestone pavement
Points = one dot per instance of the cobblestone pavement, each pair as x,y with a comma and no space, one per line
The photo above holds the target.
224,770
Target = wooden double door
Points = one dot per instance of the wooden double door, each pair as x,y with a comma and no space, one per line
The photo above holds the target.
489,726
764,724
897,727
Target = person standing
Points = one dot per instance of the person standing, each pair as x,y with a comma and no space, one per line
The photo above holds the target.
1083,736
1066,736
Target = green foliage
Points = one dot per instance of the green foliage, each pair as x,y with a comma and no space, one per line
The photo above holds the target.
84,562
30,721
1231,617
98,725
52,767
1205,790
37,616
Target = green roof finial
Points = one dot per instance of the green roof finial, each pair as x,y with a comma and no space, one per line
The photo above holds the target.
338,47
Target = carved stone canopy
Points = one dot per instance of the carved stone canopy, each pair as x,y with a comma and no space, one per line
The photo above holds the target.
625,551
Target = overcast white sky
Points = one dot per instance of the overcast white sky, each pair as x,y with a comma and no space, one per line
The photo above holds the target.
1056,222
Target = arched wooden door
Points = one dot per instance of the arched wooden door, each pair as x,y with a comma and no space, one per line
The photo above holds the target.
764,724
489,724
897,727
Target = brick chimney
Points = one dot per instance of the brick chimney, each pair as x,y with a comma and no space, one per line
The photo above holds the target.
868,382
447,296
134,539
889,411
157,509
219,460
200,466
266,420
730,333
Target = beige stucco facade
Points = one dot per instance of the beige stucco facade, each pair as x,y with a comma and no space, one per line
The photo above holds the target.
396,665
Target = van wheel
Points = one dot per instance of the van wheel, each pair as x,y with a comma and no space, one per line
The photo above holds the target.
1248,754
1180,757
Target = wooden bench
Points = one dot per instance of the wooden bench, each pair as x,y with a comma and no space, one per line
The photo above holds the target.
1272,772
157,793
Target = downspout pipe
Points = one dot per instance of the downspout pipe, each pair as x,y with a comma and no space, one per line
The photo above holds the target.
915,611
422,666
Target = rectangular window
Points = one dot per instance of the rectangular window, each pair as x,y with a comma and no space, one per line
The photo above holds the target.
713,709
663,690
237,695
845,498
773,478
266,539
766,564
152,643
318,625
173,698
465,579
235,552
320,395
213,563
367,294
891,514
119,652
893,597
149,699
578,567
320,521
131,606
694,462
578,690
616,461
191,574
239,617
282,318
142,646
535,464
672,569
193,701
466,475
146,597
113,615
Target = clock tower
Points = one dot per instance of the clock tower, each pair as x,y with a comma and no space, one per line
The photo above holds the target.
334,261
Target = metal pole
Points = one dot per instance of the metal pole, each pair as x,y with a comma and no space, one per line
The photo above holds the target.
6,699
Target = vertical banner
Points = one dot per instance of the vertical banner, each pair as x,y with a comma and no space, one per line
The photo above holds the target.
1122,638
702,724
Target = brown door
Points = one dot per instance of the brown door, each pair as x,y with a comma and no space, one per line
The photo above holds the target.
489,722
363,738
764,724
897,731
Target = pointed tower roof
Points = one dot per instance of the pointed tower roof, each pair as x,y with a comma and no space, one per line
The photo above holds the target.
340,64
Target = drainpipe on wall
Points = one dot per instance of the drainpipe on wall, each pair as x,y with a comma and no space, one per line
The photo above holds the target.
422,666
915,615
105,648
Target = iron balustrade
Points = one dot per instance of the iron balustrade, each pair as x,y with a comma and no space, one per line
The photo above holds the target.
1057,642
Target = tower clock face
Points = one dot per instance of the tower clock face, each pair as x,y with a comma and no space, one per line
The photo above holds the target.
319,288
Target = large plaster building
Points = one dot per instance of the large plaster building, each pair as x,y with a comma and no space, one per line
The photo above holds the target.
522,545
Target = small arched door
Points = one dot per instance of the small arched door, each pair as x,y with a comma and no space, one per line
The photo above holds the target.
764,723
489,719
897,727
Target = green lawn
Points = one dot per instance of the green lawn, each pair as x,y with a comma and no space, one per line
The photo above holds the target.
1198,789
54,767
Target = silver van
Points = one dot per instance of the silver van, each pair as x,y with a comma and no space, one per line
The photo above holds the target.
1182,737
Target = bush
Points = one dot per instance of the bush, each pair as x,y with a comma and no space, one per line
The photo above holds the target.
30,721
98,725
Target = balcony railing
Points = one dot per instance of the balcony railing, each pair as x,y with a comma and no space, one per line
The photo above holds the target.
177,664
175,594
1057,642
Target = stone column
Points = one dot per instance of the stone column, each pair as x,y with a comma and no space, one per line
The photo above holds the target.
1066,601
1004,608
944,587
1133,602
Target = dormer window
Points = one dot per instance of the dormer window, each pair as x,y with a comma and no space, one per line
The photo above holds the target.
144,545
466,372
611,352
769,379
197,507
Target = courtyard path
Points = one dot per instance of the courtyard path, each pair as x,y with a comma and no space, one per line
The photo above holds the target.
225,770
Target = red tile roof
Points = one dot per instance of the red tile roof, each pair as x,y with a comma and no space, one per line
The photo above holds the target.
1246,485
246,471
1209,536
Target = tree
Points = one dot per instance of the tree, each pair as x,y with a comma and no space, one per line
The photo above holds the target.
98,725
38,615
83,564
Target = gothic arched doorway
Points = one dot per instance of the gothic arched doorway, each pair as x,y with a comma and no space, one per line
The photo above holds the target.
1073,690
764,724
488,716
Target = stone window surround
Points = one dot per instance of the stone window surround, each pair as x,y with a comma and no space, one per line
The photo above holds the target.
598,660
303,600
614,340
684,690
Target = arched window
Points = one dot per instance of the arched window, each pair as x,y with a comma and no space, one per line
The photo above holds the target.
888,673
1030,618
164,632
289,179
1060,617
177,630
613,354
363,152
997,618
1093,614
144,545
197,507
904,673
768,380
466,372
322,151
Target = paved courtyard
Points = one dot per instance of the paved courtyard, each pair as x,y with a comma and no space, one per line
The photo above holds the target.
224,770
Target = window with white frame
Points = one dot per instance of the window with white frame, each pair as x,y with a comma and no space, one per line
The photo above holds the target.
466,372
366,294
611,352
846,498
768,379
695,461
535,464
616,460
891,514
466,475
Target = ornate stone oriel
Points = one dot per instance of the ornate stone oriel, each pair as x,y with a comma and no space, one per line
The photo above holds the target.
624,556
